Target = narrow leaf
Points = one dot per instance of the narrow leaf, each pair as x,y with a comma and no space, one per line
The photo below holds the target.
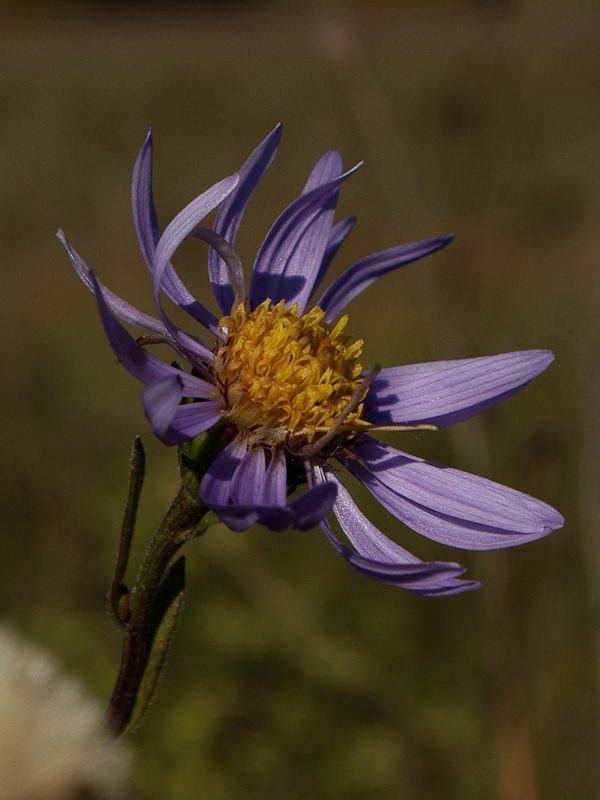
168,605
117,603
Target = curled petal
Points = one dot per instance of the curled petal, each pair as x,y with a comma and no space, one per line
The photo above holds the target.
379,558
327,168
192,419
366,271
148,235
248,477
161,400
229,257
237,478
303,513
142,364
172,422
120,307
312,506
215,486
176,231
273,489
446,392
231,212
451,506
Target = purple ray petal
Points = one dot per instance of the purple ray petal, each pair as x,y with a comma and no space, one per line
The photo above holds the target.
239,473
456,493
450,506
366,271
446,392
432,578
176,231
145,220
215,486
232,210
303,513
172,422
313,505
161,400
192,419
248,477
118,306
379,558
148,235
328,168
273,490
142,364
289,258
128,313
337,237
311,247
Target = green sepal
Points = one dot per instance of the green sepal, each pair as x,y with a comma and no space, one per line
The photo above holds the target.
167,607
195,457
118,593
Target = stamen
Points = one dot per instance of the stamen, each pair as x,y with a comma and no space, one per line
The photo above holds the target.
312,449
288,379
153,338
229,256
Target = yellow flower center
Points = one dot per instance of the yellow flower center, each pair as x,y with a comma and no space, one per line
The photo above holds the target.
287,378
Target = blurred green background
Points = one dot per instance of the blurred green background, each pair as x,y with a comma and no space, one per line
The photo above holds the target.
292,676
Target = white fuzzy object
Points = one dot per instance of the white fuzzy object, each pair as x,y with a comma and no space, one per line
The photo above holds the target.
53,744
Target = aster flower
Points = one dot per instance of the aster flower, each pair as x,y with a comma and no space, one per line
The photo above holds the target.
284,395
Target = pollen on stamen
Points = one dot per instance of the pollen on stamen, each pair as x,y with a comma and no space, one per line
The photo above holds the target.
287,377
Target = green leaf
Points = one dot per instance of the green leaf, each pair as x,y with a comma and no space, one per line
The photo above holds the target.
168,605
118,594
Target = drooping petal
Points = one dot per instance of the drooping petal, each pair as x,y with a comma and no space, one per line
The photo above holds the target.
446,392
303,513
215,486
176,231
248,478
120,307
172,422
273,490
192,419
142,364
448,505
232,210
161,400
148,235
366,271
234,486
289,259
379,558
313,505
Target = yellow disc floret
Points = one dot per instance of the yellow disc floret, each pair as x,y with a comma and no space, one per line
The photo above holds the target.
285,377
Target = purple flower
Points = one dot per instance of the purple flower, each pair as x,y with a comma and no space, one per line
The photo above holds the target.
284,395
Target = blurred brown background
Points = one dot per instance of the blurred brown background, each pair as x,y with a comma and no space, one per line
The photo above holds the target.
291,675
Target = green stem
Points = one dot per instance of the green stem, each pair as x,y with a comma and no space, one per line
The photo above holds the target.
186,518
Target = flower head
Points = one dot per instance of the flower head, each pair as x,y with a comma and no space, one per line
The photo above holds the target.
53,740
284,395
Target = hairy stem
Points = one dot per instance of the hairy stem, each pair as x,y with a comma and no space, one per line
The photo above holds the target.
186,518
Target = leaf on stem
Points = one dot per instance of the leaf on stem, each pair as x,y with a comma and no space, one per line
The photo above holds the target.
168,605
118,605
